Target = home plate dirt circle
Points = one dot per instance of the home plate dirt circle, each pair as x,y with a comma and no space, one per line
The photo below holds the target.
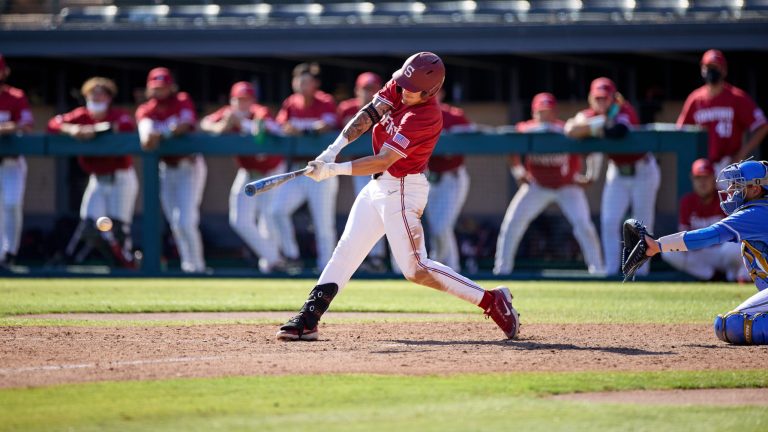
45,355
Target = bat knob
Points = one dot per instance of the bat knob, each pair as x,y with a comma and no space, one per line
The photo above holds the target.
250,190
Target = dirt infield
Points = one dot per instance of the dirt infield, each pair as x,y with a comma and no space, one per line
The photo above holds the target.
37,356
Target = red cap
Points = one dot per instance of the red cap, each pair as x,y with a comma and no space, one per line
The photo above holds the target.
421,72
242,89
2,62
601,87
714,57
702,167
368,79
543,101
159,77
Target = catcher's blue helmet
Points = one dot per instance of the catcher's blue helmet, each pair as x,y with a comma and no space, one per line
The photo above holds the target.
734,178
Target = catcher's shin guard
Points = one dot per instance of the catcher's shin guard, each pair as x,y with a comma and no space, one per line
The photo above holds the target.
304,325
739,328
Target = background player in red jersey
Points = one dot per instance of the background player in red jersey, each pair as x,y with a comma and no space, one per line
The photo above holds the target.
169,113
544,179
631,179
15,117
307,111
406,122
112,183
700,209
246,214
366,86
449,185
726,111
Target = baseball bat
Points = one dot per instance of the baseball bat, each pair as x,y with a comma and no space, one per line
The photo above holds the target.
265,184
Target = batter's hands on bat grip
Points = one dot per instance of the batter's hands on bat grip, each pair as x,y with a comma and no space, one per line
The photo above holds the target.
319,171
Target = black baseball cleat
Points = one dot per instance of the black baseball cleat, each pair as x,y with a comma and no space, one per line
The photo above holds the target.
296,329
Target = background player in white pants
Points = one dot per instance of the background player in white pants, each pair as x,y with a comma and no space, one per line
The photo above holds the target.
246,214
15,117
449,185
407,124
169,113
700,209
112,183
544,179
632,180
307,111
366,86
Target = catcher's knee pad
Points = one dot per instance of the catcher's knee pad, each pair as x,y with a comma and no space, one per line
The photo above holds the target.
739,328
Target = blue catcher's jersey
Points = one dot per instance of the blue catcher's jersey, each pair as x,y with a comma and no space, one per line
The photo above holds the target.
749,225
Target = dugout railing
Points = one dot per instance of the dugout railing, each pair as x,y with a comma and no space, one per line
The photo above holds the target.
686,145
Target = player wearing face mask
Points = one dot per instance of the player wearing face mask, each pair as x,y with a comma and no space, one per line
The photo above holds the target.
726,111
112,183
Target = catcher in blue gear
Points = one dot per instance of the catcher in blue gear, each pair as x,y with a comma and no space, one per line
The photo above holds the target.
744,198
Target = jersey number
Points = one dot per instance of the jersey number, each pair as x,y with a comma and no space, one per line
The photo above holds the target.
724,128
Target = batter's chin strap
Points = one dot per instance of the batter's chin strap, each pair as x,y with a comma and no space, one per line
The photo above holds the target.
370,110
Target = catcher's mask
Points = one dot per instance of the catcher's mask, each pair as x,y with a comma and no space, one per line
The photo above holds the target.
734,179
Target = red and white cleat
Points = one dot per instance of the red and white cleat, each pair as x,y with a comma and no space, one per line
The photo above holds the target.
503,313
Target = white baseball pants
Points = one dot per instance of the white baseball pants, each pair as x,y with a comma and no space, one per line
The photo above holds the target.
247,217
755,304
321,198
621,192
115,197
446,199
528,203
394,206
703,263
181,192
13,178
379,249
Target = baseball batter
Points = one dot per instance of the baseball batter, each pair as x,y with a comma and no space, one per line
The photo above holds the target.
407,122
449,185
547,178
631,179
366,86
246,214
112,183
744,198
727,113
700,209
307,111
15,117
167,114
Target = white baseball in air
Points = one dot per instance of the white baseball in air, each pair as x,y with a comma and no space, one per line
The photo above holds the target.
104,223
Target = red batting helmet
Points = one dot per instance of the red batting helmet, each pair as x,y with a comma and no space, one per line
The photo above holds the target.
421,72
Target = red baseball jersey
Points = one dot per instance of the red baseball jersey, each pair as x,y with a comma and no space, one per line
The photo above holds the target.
626,116
14,106
696,214
121,122
347,110
452,116
410,131
726,117
551,170
177,109
261,162
304,117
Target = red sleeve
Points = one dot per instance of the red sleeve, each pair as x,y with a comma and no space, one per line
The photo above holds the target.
187,112
217,115
521,126
388,94
684,220
748,114
55,123
124,121
284,115
260,112
22,114
686,115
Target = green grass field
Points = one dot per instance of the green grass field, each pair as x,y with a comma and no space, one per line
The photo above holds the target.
373,402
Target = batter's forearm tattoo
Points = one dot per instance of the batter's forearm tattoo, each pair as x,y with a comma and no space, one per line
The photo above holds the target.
362,121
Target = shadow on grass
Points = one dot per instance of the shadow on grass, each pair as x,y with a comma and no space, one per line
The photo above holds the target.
536,346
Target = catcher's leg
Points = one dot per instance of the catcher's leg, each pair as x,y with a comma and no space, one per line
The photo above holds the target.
739,328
